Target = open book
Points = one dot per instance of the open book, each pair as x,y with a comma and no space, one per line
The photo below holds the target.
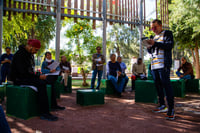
145,43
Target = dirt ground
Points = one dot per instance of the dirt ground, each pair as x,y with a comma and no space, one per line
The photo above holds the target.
117,115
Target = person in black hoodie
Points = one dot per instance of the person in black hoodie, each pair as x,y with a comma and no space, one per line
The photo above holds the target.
22,73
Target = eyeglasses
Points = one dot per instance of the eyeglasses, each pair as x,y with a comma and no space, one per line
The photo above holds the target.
98,49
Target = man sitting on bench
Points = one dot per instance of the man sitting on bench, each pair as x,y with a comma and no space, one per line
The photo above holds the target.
114,74
187,69
22,73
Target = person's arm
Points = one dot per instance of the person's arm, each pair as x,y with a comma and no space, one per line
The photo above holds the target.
144,69
107,69
103,59
134,70
179,69
93,59
168,41
22,65
189,69
44,69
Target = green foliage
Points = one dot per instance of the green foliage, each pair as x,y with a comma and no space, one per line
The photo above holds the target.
148,33
17,31
82,41
123,40
185,22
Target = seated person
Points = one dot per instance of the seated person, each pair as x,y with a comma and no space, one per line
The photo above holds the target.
138,71
187,69
123,67
65,67
114,73
51,79
23,73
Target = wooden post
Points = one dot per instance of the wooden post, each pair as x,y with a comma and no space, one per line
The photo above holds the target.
94,14
75,10
69,6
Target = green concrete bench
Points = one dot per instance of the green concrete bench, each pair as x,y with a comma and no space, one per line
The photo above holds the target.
2,92
107,87
60,88
145,91
178,87
192,85
89,97
22,102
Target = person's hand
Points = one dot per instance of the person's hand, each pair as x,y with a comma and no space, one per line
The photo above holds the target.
9,61
52,71
67,71
43,77
181,76
100,62
119,73
151,42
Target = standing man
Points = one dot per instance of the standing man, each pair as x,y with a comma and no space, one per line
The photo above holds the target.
187,69
97,66
123,67
161,51
5,61
23,73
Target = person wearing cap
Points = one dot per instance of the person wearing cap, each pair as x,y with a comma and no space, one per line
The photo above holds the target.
5,61
22,73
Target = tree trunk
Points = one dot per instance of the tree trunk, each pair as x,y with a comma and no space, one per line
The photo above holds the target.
84,77
194,60
196,50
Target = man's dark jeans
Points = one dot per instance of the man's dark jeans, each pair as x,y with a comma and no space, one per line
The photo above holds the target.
4,127
162,81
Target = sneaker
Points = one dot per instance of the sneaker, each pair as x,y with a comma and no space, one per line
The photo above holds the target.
170,115
161,109
57,108
48,117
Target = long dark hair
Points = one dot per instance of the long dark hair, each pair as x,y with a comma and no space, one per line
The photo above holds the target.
45,55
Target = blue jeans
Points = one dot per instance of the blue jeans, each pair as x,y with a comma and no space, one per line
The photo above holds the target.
184,77
162,81
4,74
94,74
118,87
4,127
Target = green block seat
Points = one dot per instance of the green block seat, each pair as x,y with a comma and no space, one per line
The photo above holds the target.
2,92
145,91
22,102
178,88
192,85
89,97
107,87
60,86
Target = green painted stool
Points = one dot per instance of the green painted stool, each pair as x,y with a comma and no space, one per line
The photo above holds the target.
178,88
145,91
89,97
22,102
107,87
192,85
2,92
60,86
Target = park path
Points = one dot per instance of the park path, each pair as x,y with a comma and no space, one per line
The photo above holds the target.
117,115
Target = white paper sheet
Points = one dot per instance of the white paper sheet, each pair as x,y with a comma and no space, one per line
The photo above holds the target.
53,66
55,73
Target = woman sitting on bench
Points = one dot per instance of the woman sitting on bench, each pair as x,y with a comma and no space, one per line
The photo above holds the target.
114,74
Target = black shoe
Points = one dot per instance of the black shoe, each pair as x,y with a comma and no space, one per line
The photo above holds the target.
48,117
57,108
97,88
